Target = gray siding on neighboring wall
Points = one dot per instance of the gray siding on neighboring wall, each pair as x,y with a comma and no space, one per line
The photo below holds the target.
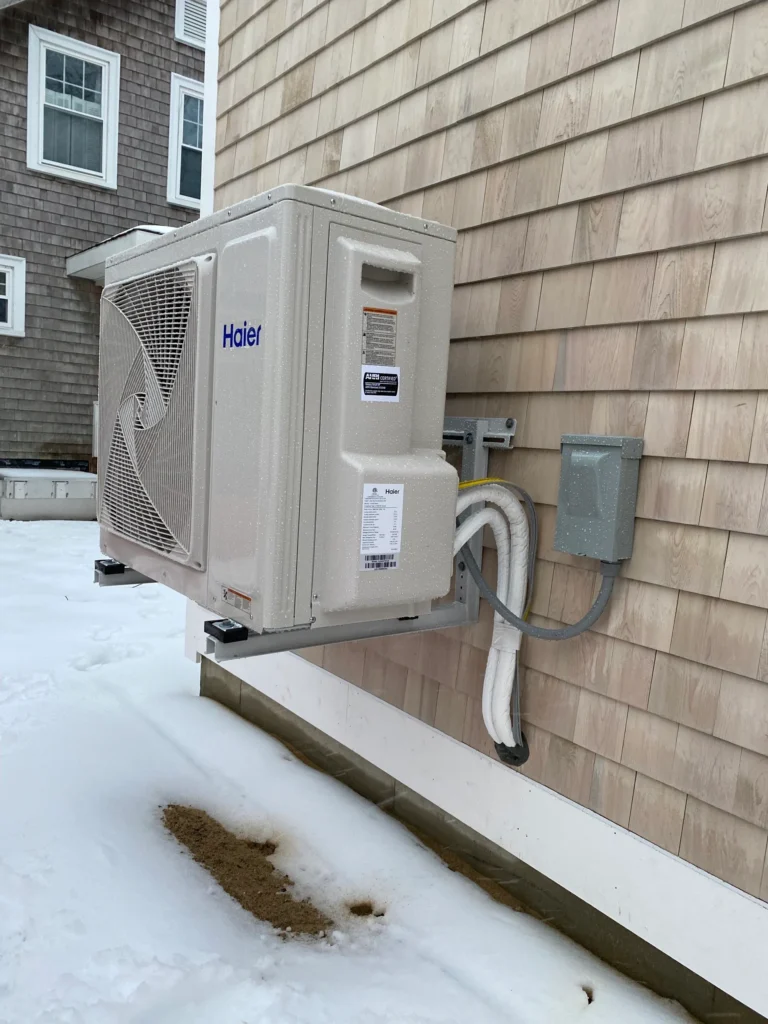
48,378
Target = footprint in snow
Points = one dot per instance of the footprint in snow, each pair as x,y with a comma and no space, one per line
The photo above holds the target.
107,656
103,633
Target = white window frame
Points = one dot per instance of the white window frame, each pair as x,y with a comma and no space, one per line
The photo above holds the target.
40,40
180,87
15,269
180,34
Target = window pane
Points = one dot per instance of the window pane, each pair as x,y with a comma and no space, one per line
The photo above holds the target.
74,69
191,165
3,311
54,64
192,132
54,91
72,140
3,283
92,77
191,108
189,135
72,83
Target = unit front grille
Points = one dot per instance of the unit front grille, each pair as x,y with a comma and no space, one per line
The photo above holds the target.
146,399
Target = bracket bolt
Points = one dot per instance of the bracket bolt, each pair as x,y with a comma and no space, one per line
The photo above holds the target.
510,422
468,438
462,567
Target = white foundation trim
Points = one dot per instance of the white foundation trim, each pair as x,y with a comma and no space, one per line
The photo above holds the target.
709,926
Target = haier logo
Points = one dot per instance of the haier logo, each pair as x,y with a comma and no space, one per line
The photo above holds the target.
241,337
391,490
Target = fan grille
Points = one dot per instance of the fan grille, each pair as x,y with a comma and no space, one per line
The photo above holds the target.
146,397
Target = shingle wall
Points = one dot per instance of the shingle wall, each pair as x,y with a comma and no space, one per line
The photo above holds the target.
48,378
606,162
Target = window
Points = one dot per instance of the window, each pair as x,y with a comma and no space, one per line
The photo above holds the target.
185,142
190,22
12,286
73,101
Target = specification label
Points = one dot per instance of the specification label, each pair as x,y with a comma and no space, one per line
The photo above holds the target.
379,336
381,533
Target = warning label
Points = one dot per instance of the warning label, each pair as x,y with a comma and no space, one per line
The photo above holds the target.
233,597
380,384
379,336
382,527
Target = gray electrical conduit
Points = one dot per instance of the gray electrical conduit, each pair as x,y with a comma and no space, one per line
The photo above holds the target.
609,571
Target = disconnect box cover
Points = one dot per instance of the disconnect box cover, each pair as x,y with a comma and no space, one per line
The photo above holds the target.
597,496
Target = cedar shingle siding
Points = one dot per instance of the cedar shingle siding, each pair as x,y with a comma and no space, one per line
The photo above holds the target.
606,162
48,378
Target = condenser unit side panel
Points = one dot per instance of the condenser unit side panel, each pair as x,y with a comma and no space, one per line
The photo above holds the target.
260,339
287,457
386,496
313,380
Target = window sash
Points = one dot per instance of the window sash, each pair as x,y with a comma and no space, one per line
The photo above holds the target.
60,135
185,142
190,168
73,83
191,145
6,290
72,141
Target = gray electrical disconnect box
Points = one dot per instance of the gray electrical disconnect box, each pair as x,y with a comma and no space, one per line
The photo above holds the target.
597,496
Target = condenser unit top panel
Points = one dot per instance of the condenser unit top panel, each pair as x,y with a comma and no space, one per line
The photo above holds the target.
322,198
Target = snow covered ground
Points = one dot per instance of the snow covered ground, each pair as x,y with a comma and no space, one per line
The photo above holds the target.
104,918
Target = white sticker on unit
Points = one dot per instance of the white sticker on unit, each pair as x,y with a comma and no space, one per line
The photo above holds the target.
381,533
379,336
380,383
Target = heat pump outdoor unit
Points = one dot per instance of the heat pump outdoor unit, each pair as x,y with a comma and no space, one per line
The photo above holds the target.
271,397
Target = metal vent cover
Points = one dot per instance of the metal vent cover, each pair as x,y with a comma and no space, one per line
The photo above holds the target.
149,328
194,20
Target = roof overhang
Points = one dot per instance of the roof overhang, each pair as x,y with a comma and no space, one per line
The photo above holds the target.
90,263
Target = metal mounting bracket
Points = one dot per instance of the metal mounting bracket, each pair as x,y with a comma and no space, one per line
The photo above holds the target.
108,572
476,436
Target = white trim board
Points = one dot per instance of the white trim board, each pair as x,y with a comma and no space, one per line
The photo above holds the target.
209,109
711,927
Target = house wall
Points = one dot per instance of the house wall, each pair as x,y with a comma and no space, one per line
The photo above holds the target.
606,162
48,379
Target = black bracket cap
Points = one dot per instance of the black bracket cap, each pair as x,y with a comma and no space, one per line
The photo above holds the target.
108,566
514,756
226,630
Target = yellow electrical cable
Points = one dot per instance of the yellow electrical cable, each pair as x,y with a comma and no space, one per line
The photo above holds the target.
485,480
